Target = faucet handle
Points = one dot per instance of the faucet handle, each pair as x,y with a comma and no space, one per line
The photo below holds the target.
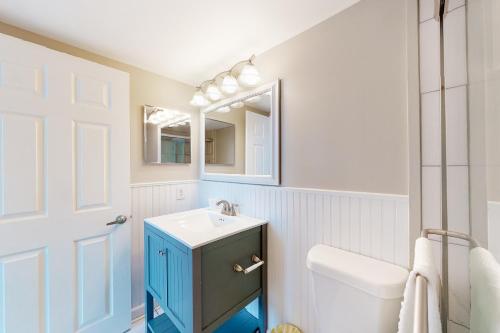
228,208
235,209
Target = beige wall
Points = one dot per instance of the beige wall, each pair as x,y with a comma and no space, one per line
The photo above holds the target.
347,79
145,88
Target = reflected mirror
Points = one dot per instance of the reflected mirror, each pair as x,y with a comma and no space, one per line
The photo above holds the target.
241,137
167,136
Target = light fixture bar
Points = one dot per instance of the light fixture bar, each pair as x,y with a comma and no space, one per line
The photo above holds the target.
250,61
211,90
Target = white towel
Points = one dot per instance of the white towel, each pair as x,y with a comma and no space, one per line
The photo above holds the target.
485,292
425,266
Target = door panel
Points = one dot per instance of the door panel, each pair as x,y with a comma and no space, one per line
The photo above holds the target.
94,279
23,309
22,186
91,165
90,92
61,120
23,78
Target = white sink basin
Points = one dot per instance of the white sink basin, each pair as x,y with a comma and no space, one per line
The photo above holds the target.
204,221
199,227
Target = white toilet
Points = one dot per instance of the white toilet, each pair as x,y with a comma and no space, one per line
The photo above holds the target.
354,293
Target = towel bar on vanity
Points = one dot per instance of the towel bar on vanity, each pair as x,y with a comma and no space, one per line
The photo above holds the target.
257,263
420,322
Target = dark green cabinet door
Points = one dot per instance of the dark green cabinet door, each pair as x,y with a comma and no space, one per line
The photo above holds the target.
223,288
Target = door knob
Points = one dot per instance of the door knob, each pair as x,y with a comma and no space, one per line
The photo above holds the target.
120,219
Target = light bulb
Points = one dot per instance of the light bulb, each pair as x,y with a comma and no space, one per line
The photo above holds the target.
249,76
229,85
213,93
199,99
237,105
223,109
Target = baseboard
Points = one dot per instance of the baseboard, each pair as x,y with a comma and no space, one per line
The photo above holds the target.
138,312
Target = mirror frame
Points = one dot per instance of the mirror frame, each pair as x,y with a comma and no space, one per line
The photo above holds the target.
275,177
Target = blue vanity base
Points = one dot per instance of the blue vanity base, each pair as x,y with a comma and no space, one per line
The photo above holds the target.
161,324
241,322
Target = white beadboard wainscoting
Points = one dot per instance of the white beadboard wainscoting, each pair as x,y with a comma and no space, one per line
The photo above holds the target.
372,224
148,200
376,225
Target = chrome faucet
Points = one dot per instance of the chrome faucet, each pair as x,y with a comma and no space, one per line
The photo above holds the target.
227,208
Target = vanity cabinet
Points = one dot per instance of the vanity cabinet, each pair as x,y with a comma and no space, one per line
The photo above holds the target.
167,274
201,290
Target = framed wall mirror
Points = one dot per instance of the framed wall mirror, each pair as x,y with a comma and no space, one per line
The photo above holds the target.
240,137
167,136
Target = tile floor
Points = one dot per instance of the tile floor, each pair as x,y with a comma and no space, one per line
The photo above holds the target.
137,327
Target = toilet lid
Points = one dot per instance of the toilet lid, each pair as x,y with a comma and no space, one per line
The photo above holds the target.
378,278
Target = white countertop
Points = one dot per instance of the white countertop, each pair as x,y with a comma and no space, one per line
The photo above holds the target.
198,227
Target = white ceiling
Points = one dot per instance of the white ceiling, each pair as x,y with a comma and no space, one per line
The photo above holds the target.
188,40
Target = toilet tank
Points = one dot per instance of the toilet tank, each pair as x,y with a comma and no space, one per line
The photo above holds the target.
354,293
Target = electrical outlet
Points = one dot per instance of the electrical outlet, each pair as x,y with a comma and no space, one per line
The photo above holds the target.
179,193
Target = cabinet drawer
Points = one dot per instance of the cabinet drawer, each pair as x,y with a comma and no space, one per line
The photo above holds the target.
222,287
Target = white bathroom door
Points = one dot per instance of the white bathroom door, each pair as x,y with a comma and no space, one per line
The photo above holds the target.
257,144
64,174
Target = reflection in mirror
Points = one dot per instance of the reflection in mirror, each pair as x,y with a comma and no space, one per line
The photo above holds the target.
167,136
238,137
219,142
